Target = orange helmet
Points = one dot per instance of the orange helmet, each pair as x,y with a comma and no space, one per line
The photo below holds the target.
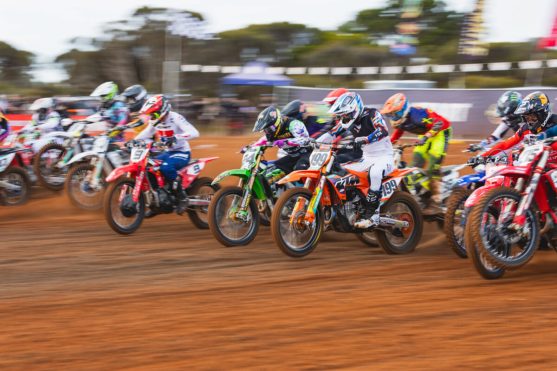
396,108
332,97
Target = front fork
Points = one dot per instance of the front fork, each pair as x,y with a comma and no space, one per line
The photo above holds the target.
528,195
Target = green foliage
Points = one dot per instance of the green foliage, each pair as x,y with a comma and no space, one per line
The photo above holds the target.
14,65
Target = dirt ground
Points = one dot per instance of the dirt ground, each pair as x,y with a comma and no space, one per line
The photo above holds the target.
74,295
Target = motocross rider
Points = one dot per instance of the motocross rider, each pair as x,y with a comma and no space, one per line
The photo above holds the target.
370,131
174,131
45,119
282,131
538,121
506,107
4,127
434,132
135,97
114,111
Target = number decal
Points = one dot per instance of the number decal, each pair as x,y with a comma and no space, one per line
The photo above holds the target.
317,159
388,188
196,169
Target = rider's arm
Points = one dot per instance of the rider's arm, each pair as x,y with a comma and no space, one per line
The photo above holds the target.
299,133
497,134
438,123
51,123
551,132
118,114
147,133
396,135
261,141
506,144
188,130
380,127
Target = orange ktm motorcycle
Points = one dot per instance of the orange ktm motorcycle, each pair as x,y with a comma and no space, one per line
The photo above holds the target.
335,198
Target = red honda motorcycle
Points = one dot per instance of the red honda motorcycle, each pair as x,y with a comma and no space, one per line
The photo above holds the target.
137,191
16,174
506,222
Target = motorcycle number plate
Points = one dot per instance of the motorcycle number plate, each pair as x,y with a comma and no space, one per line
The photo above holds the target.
138,154
317,159
100,144
249,158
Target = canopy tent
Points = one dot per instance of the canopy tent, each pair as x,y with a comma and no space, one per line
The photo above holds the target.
256,73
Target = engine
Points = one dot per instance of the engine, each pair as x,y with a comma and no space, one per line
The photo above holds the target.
166,200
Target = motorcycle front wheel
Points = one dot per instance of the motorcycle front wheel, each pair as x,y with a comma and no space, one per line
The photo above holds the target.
225,224
122,214
483,267
293,235
80,193
202,188
455,220
500,242
45,166
18,186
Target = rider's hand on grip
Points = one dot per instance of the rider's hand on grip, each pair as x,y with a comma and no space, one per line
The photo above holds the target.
530,139
360,141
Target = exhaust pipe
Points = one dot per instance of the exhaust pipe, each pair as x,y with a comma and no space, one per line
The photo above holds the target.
393,223
9,186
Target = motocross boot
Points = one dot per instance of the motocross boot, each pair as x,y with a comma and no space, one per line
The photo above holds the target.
433,207
180,195
371,215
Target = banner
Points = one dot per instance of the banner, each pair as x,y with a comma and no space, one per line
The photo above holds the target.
471,111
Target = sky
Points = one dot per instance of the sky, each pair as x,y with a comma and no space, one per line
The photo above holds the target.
45,27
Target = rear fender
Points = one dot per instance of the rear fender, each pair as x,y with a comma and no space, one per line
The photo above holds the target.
191,171
119,171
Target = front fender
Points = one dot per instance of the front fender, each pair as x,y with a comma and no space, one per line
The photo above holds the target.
119,171
299,175
243,174
466,180
473,199
513,171
82,156
56,134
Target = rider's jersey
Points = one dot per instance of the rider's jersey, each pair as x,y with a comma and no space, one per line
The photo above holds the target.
372,125
421,121
51,122
117,114
292,130
183,131
549,130
507,123
4,127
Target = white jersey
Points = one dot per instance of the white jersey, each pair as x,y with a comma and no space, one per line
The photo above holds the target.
183,131
52,122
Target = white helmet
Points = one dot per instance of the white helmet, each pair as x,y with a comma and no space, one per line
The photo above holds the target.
107,91
347,108
42,104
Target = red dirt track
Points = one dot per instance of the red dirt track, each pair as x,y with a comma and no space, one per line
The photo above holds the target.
75,295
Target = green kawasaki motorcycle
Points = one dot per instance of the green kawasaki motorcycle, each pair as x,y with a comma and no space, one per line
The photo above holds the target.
235,212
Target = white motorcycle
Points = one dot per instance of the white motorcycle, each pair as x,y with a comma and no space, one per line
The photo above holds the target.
85,181
51,162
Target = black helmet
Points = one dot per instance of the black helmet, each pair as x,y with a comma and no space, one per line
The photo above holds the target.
534,109
135,96
508,103
293,110
269,120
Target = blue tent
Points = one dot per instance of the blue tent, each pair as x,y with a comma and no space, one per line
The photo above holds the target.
255,73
